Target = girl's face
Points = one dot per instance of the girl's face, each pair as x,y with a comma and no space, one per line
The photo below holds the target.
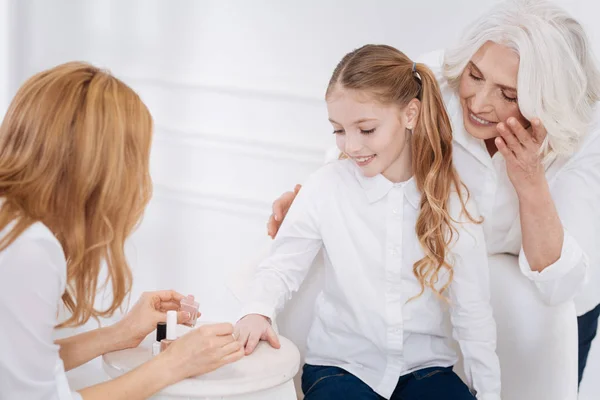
372,134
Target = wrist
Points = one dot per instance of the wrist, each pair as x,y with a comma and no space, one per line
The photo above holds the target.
257,315
534,192
119,336
174,370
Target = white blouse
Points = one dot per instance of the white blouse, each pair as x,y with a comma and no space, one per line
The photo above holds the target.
363,322
32,280
575,188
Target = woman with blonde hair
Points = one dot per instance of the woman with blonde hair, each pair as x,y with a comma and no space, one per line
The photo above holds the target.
74,181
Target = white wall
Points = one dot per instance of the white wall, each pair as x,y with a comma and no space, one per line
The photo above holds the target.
236,90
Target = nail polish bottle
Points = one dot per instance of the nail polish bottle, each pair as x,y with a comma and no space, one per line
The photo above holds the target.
191,306
161,333
171,330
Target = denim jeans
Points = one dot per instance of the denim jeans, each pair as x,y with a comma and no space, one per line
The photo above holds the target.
333,383
587,325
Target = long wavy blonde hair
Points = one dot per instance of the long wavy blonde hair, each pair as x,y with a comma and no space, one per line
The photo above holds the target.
74,155
388,75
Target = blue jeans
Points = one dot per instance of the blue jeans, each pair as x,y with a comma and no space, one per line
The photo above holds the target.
587,325
333,383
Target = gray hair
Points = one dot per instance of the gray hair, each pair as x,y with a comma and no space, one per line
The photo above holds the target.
558,81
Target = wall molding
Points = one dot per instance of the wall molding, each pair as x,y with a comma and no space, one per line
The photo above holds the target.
222,202
252,147
246,91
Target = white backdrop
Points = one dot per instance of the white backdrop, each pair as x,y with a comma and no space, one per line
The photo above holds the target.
236,90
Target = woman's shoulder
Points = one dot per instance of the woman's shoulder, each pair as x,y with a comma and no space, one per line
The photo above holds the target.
37,242
40,233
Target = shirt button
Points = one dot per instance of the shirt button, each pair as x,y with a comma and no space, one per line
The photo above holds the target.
395,211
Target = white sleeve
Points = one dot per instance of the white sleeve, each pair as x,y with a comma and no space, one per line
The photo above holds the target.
471,312
31,287
292,253
576,195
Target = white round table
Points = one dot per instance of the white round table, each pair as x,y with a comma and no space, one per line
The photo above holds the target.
267,374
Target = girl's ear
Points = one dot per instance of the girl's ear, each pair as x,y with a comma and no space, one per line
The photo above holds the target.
411,113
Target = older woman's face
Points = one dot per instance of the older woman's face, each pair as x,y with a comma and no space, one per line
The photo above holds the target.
487,90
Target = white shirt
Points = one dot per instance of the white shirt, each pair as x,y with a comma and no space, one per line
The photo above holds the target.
363,323
32,280
575,188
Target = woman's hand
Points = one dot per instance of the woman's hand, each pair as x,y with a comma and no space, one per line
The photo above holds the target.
198,352
252,329
149,310
521,150
203,350
280,209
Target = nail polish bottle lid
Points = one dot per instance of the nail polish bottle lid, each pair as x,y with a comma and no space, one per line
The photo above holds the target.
171,325
161,331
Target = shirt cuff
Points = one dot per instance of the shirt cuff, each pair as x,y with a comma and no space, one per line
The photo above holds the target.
570,256
258,308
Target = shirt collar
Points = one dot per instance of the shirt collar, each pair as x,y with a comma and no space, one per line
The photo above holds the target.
378,186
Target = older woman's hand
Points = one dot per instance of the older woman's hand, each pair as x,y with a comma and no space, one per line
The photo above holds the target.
280,209
521,150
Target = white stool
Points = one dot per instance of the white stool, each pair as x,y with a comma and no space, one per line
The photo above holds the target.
267,374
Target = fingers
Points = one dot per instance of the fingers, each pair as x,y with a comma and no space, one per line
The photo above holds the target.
510,139
222,341
504,150
235,356
278,208
164,296
242,336
252,342
231,348
520,132
272,226
168,305
183,316
283,203
168,295
539,130
272,338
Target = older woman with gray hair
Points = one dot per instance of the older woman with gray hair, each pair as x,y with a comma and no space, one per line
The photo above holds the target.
521,90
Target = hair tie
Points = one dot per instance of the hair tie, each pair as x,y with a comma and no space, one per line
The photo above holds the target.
414,68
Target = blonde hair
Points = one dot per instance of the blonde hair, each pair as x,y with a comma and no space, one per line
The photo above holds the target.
392,78
558,80
74,155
